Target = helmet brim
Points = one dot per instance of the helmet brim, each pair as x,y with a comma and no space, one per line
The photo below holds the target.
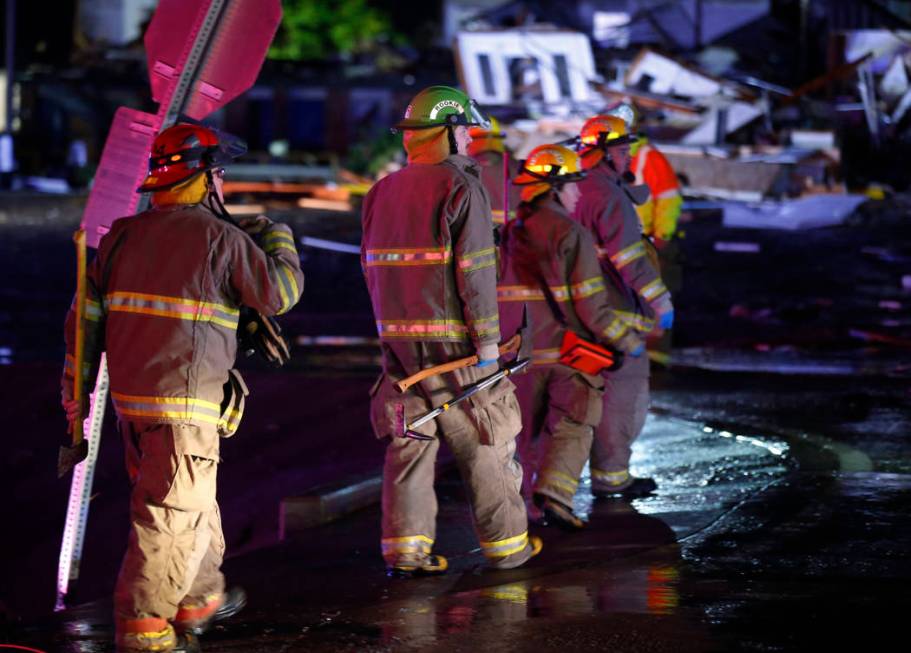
473,118
527,178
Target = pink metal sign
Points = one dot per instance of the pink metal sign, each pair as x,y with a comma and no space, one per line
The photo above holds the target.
124,164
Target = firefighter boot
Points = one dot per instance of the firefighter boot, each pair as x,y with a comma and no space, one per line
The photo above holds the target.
558,514
198,618
622,485
142,636
409,566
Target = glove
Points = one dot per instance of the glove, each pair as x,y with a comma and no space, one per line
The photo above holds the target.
631,344
488,354
666,320
260,334
255,226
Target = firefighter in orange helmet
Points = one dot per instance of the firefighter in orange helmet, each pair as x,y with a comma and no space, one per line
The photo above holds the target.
549,264
661,212
607,210
659,215
164,296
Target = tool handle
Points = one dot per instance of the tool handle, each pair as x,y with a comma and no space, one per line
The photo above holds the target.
483,384
79,345
507,347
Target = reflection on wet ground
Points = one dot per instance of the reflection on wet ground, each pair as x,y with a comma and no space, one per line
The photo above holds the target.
618,584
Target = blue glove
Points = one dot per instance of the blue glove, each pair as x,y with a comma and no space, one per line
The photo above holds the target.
485,363
638,351
666,321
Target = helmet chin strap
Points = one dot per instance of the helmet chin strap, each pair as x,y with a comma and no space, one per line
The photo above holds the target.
213,202
453,146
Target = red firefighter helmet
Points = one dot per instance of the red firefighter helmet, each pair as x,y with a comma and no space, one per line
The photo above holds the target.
185,150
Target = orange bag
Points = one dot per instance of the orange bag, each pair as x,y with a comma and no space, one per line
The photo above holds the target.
586,356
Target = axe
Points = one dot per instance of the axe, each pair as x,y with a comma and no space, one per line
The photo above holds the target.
521,361
69,457
517,342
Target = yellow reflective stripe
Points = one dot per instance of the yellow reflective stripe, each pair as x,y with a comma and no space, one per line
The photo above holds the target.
274,247
670,192
587,288
408,256
486,325
182,408
407,544
484,258
545,356
519,293
174,307
636,321
560,480
190,401
287,288
627,255
92,310
498,217
421,328
615,330
503,548
278,240
612,478
69,362
653,290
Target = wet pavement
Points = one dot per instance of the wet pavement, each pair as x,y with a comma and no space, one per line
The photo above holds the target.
780,523
754,542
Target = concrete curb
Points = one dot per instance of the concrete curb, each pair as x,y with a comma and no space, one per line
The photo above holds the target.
297,514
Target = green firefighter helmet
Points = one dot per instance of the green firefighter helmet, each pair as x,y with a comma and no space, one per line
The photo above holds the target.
442,106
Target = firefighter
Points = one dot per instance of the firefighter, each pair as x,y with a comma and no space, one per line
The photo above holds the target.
164,296
549,263
488,149
661,211
606,209
430,265
659,214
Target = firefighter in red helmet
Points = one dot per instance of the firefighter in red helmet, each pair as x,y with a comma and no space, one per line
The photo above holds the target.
164,296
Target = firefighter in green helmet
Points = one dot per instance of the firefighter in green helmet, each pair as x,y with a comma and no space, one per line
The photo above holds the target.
430,265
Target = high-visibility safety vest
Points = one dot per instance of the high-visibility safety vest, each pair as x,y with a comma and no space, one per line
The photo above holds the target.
659,215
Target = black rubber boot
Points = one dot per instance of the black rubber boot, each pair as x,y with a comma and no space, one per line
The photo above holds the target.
432,565
634,489
187,643
558,514
234,602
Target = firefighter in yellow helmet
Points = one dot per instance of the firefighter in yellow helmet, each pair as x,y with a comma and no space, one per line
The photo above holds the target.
498,167
606,210
430,263
549,264
165,293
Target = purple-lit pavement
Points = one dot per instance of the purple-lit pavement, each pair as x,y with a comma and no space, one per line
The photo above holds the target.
750,534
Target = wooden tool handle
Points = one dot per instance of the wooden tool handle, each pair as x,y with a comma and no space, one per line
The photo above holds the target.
79,345
509,346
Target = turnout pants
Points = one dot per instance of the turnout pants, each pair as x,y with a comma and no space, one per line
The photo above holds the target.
481,434
626,399
172,565
560,406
